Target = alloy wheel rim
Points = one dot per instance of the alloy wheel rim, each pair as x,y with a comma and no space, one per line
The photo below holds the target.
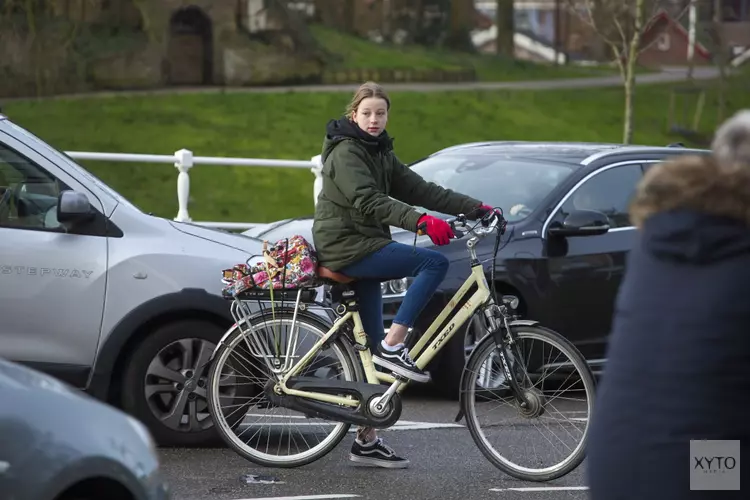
176,385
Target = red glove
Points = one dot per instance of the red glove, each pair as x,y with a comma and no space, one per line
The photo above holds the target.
438,230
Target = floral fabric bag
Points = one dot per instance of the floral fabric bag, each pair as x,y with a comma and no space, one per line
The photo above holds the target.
290,263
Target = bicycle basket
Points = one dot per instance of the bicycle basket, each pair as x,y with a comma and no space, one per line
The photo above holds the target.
290,263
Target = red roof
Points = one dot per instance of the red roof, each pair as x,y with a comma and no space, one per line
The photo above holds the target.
662,15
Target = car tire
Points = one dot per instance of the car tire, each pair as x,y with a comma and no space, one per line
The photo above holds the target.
159,380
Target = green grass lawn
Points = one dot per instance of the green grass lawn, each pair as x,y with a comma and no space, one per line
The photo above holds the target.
355,52
291,126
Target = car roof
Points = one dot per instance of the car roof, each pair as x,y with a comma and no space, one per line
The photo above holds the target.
578,153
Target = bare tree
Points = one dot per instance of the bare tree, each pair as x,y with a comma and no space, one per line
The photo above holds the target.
505,27
460,25
692,27
621,24
717,38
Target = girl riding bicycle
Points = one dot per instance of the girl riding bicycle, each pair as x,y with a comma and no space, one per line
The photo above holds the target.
365,190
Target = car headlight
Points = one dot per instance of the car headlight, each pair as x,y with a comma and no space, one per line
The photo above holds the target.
394,287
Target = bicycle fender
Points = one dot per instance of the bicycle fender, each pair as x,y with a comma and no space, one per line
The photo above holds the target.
523,322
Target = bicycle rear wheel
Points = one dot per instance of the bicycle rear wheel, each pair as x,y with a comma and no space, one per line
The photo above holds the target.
269,435
541,413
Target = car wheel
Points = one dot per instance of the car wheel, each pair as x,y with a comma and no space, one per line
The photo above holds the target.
164,385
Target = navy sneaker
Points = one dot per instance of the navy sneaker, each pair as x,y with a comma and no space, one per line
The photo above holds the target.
377,454
399,362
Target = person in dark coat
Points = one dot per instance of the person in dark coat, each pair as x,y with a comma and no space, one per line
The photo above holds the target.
678,361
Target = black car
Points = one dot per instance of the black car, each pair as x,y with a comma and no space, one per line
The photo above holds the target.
568,231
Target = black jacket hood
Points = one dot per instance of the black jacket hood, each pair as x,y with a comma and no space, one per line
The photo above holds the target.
694,237
691,210
343,128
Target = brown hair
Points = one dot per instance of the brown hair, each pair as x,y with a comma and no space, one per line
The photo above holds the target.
366,90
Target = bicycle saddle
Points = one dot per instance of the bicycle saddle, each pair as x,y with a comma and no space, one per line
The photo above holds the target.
325,273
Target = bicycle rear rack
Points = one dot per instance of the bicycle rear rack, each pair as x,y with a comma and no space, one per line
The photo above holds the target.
256,335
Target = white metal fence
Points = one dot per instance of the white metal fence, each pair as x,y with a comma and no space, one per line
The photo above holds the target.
183,160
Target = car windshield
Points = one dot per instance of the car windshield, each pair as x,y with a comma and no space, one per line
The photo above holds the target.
517,185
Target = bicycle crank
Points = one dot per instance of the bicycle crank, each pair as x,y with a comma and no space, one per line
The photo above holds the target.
370,412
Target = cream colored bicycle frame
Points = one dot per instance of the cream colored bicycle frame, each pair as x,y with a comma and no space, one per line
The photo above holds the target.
420,356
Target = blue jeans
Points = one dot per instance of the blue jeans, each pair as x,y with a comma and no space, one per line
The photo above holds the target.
395,260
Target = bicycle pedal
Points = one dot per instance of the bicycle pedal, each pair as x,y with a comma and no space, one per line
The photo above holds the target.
405,380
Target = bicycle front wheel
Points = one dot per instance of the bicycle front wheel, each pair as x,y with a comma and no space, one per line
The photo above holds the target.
248,422
542,435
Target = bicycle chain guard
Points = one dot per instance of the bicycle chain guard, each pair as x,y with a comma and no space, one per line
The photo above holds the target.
359,415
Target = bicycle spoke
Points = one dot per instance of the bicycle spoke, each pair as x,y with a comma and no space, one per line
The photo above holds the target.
498,422
256,428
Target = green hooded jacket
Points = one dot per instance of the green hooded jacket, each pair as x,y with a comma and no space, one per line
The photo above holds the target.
366,189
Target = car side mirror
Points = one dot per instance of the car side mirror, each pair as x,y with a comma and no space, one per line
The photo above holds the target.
581,223
73,206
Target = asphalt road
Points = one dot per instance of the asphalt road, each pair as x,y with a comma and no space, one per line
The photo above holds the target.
445,464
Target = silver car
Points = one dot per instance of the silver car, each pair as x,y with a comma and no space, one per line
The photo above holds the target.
105,297
58,443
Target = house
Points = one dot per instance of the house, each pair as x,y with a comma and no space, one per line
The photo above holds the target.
542,25
200,42
665,42
735,23
667,38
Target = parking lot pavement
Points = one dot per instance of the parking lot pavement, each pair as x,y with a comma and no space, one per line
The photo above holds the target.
445,464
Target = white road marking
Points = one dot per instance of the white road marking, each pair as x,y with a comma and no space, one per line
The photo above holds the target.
544,488
303,497
407,425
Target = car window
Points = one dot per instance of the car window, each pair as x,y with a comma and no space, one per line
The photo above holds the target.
518,185
28,193
609,192
70,163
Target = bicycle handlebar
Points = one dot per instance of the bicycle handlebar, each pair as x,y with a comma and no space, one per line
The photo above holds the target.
487,224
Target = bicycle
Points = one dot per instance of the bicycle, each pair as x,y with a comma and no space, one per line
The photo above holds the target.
360,398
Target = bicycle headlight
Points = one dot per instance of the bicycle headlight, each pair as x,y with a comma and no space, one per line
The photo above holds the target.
511,301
